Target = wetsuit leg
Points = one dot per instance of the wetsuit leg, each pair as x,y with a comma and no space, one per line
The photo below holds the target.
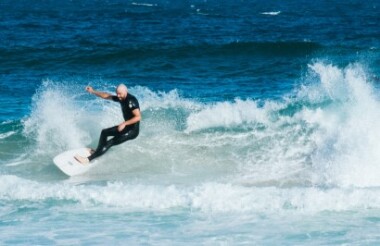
118,138
125,136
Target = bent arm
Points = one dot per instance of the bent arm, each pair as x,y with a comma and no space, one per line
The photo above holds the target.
136,118
100,94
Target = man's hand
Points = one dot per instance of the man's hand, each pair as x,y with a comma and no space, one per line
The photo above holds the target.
121,127
90,89
136,118
103,95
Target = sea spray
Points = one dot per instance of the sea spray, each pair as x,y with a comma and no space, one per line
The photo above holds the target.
53,123
211,197
310,154
323,134
348,139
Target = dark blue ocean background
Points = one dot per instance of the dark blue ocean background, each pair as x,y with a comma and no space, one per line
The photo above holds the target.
211,50
260,122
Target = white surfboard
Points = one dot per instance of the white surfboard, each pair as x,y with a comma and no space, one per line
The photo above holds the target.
69,165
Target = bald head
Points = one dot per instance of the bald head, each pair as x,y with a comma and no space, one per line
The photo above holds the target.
121,92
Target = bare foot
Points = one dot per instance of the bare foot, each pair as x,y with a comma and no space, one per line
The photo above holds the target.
82,160
91,151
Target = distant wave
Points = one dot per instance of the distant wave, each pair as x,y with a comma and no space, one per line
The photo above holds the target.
144,4
271,13
95,53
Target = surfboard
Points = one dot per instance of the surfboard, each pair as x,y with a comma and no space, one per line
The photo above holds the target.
69,165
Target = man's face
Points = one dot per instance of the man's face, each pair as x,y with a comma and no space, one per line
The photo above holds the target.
121,94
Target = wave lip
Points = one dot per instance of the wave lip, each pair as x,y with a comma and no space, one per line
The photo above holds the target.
226,114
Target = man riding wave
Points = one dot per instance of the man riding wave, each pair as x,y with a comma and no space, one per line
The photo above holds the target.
126,130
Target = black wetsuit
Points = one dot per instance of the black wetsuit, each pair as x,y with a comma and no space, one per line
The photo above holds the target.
129,132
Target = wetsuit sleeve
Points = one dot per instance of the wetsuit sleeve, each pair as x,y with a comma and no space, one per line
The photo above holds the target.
115,98
134,104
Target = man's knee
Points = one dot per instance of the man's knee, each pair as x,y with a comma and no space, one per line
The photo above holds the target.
105,131
126,137
109,131
134,134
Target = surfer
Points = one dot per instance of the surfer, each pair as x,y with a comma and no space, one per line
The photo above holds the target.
127,130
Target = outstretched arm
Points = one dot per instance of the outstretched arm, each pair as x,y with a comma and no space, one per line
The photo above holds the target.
100,94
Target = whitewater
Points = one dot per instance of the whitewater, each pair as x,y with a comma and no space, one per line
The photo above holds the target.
291,171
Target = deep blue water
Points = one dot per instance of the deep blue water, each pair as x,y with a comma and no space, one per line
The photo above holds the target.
252,111
236,47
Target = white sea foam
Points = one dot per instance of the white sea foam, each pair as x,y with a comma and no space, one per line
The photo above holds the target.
325,134
6,122
207,197
348,137
65,116
6,134
151,100
226,114
332,139
54,121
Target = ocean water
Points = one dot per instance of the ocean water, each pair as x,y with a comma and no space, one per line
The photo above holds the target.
260,122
